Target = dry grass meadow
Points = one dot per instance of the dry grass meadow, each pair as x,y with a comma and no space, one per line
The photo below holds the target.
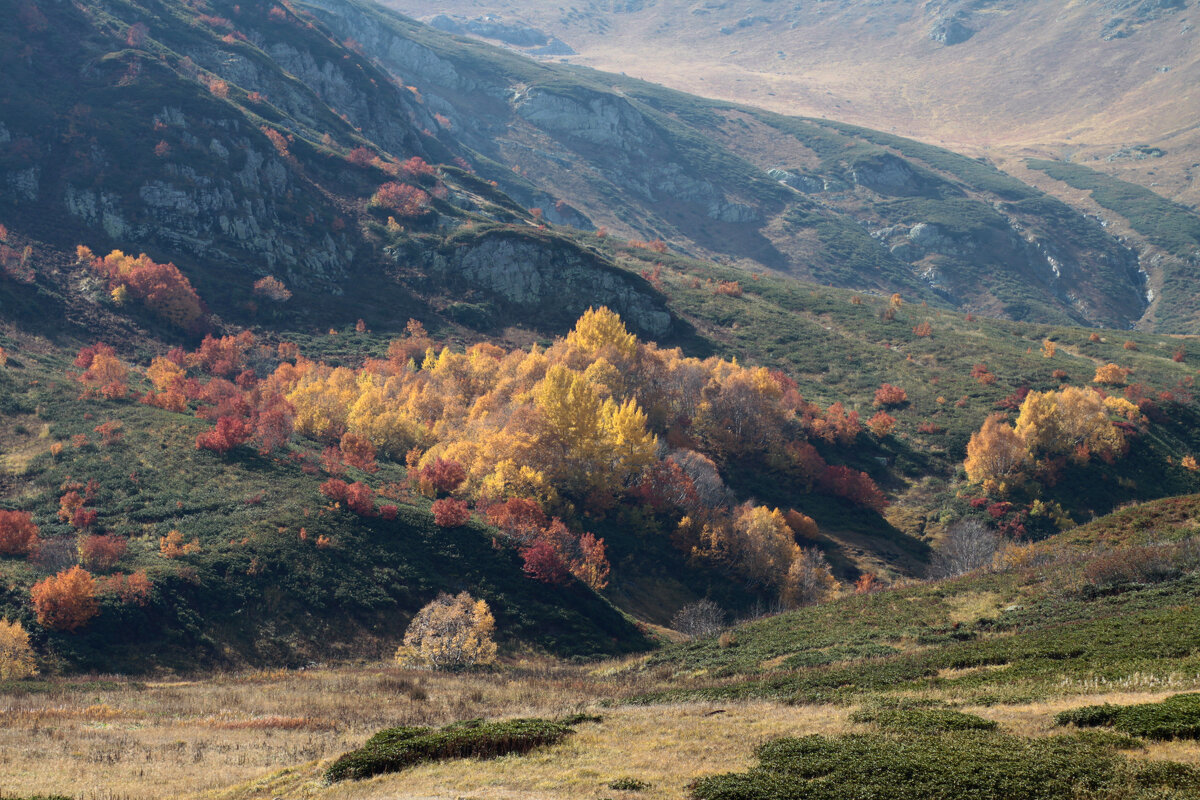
271,734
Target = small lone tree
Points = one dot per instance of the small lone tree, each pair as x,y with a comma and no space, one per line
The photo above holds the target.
452,632
16,656
968,545
701,618
67,601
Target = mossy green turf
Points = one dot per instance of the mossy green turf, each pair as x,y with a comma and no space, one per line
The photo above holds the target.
395,749
1176,717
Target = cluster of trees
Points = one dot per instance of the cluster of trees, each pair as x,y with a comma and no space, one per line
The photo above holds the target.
595,420
1072,423
162,288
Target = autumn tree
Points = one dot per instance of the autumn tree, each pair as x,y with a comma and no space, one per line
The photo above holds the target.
358,452
66,601
401,198
360,499
101,553
273,289
230,432
17,661
764,546
996,453
1071,421
18,534
162,288
103,372
451,632
890,395
543,563
809,579
518,518
442,476
591,566
173,546
1110,375
881,424
130,589
450,513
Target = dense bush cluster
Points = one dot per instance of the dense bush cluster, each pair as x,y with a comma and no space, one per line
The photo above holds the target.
395,749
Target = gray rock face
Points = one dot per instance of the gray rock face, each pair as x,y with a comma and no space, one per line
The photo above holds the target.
951,31
603,120
24,184
928,236
554,281
886,174
801,183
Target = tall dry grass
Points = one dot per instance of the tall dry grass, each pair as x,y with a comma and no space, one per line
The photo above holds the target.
134,739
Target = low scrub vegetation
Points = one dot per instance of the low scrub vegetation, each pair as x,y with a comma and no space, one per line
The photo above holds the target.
1176,717
395,749
986,766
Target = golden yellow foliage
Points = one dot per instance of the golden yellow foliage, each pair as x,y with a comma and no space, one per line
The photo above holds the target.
16,656
450,632
996,452
1110,375
1070,421
600,332
809,579
172,545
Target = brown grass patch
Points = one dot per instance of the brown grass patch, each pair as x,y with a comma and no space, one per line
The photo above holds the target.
665,746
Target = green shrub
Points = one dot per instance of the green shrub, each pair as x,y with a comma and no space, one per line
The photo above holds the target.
628,785
394,749
978,765
1176,717
922,720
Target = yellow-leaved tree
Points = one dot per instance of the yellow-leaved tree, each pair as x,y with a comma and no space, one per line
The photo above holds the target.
1072,421
996,453
451,632
16,656
765,546
601,333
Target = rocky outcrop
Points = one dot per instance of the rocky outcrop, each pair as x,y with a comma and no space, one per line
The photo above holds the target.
806,184
605,120
551,282
889,175
1128,15
951,31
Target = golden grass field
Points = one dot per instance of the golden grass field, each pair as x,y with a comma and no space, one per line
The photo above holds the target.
263,735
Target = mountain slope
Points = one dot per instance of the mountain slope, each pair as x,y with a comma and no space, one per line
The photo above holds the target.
200,175
992,77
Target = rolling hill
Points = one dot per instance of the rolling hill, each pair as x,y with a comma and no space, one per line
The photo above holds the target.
321,175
